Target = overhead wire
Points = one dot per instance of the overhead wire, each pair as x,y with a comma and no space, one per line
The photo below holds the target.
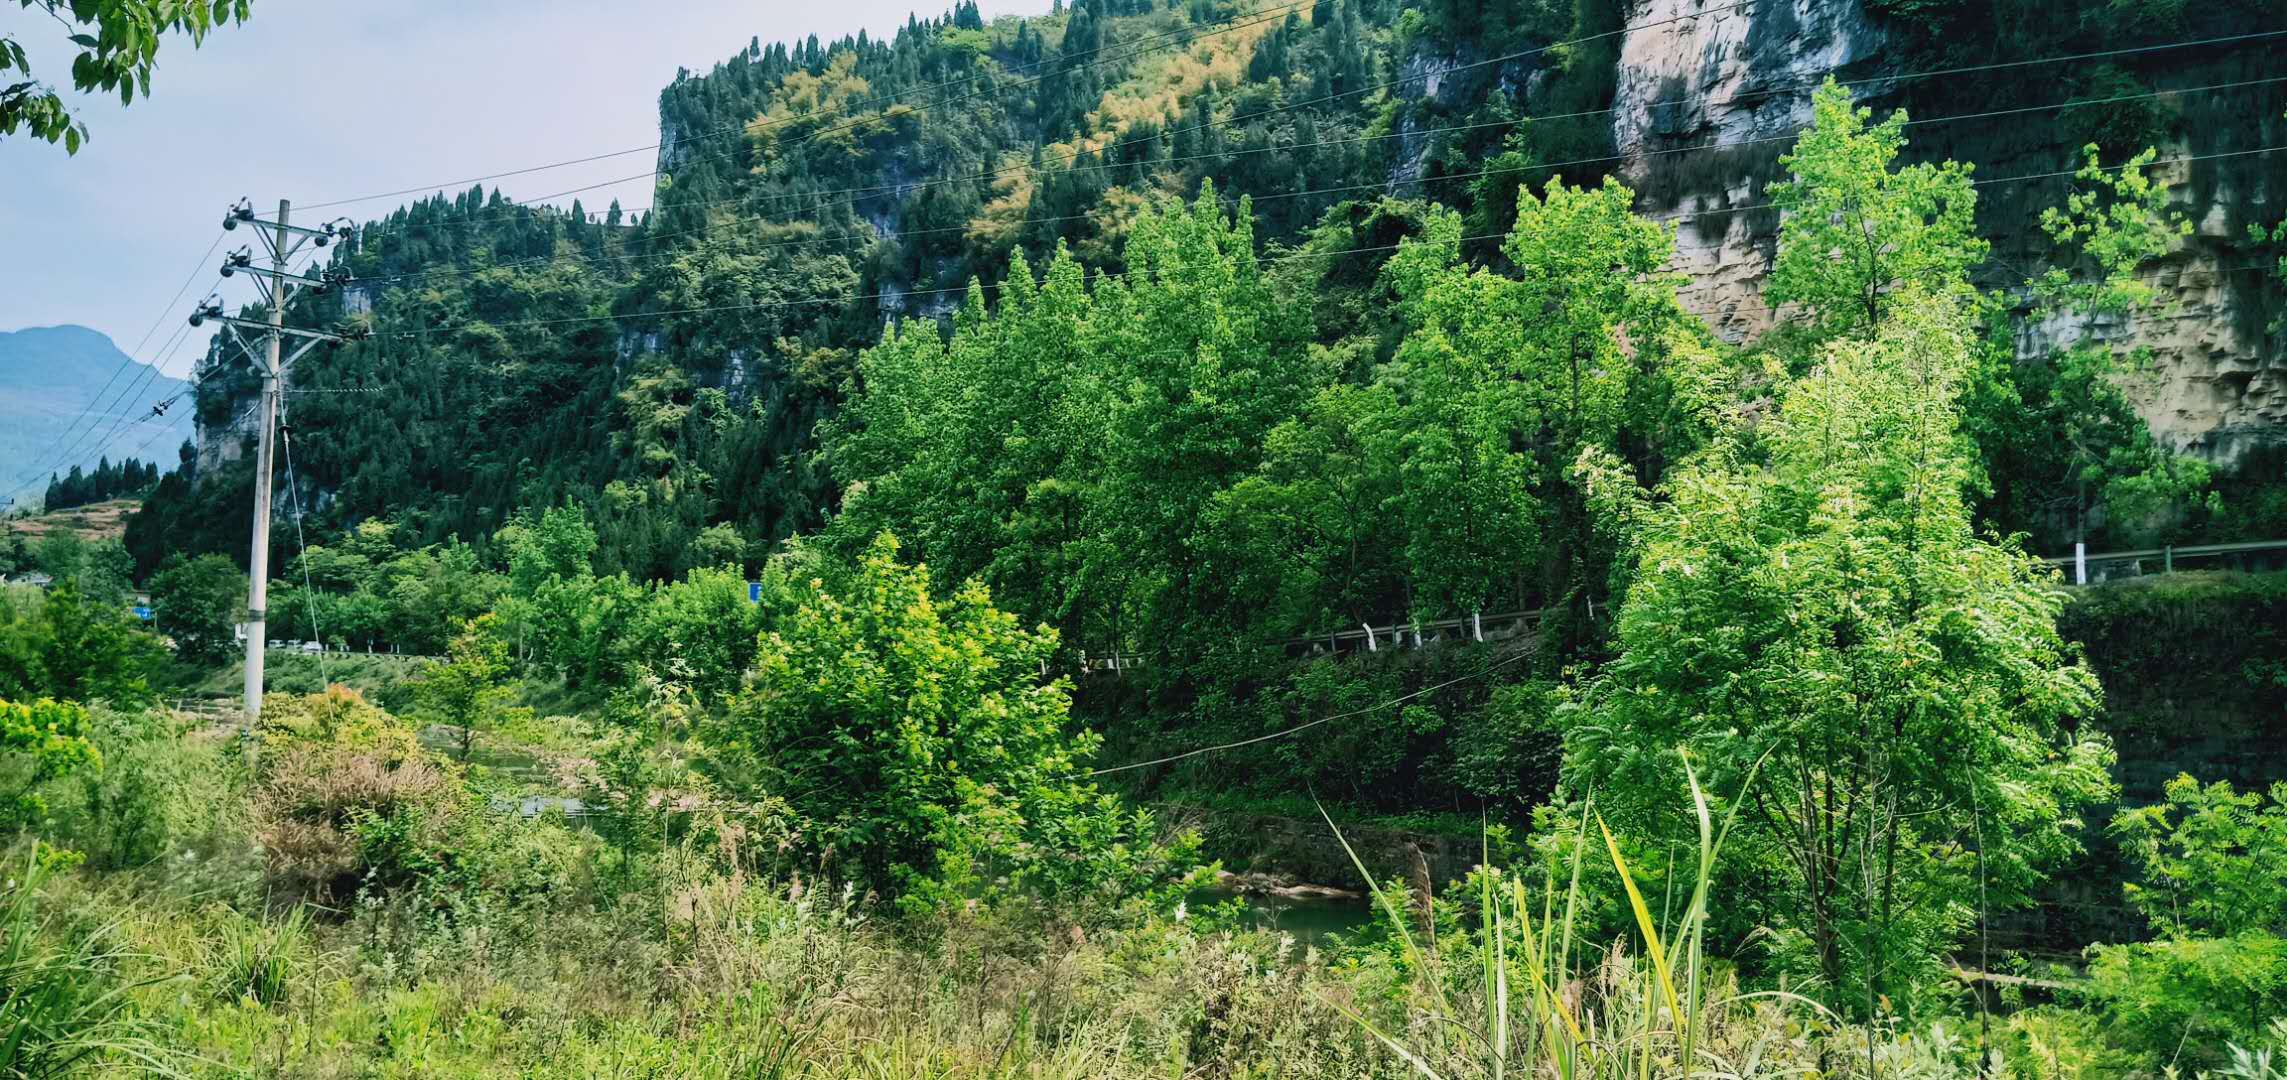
1229,26
302,542
866,237
127,360
80,449
1307,725
124,422
854,297
142,382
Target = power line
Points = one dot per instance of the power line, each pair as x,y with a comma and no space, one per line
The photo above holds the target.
1231,26
126,361
1264,197
851,297
1307,725
166,309
302,545
77,450
137,386
1203,126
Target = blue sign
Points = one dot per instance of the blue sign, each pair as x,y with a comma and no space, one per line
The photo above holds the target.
754,592
143,613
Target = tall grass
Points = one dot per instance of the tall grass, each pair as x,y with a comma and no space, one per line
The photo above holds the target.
1537,1002
64,1006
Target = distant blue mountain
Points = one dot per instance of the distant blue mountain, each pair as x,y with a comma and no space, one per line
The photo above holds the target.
49,382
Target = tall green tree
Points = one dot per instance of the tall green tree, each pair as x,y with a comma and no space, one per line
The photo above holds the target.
1505,379
1859,230
197,602
1812,595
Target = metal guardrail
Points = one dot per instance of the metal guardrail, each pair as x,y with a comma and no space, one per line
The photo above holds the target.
2085,568
304,649
1369,638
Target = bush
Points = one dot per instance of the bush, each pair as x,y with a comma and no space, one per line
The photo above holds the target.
2197,994
345,798
2214,861
39,743
71,645
920,748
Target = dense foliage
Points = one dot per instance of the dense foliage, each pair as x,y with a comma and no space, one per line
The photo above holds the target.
198,603
107,481
784,544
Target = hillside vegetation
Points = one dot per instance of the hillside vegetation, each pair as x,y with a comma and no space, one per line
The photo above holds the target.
825,610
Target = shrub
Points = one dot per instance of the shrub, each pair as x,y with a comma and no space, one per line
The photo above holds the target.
2197,994
921,748
71,645
346,799
39,743
2214,861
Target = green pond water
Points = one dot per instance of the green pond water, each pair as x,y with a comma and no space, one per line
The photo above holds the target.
1311,919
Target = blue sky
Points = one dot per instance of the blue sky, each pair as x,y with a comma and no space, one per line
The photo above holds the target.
316,101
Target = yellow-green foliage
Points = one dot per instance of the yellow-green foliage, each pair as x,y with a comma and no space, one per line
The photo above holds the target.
1159,88
344,795
40,742
826,111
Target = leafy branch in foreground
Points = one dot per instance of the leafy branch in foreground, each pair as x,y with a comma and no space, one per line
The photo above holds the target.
117,56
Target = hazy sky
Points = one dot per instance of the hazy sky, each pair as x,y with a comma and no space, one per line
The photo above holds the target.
316,100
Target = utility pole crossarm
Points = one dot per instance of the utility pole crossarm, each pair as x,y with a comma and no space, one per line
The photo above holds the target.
273,326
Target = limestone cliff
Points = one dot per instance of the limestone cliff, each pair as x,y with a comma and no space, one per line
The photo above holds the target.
1708,92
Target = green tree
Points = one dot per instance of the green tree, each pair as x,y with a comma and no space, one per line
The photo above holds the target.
197,602
2076,447
705,625
57,643
2213,860
921,748
2213,868
117,55
101,569
470,689
1812,595
1505,379
568,616
1858,230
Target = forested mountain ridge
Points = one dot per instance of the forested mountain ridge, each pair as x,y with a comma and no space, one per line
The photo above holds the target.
810,193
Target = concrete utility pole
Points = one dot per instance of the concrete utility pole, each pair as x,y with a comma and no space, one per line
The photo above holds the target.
279,285
258,555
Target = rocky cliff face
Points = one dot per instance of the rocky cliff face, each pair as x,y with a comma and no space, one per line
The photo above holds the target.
1708,93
